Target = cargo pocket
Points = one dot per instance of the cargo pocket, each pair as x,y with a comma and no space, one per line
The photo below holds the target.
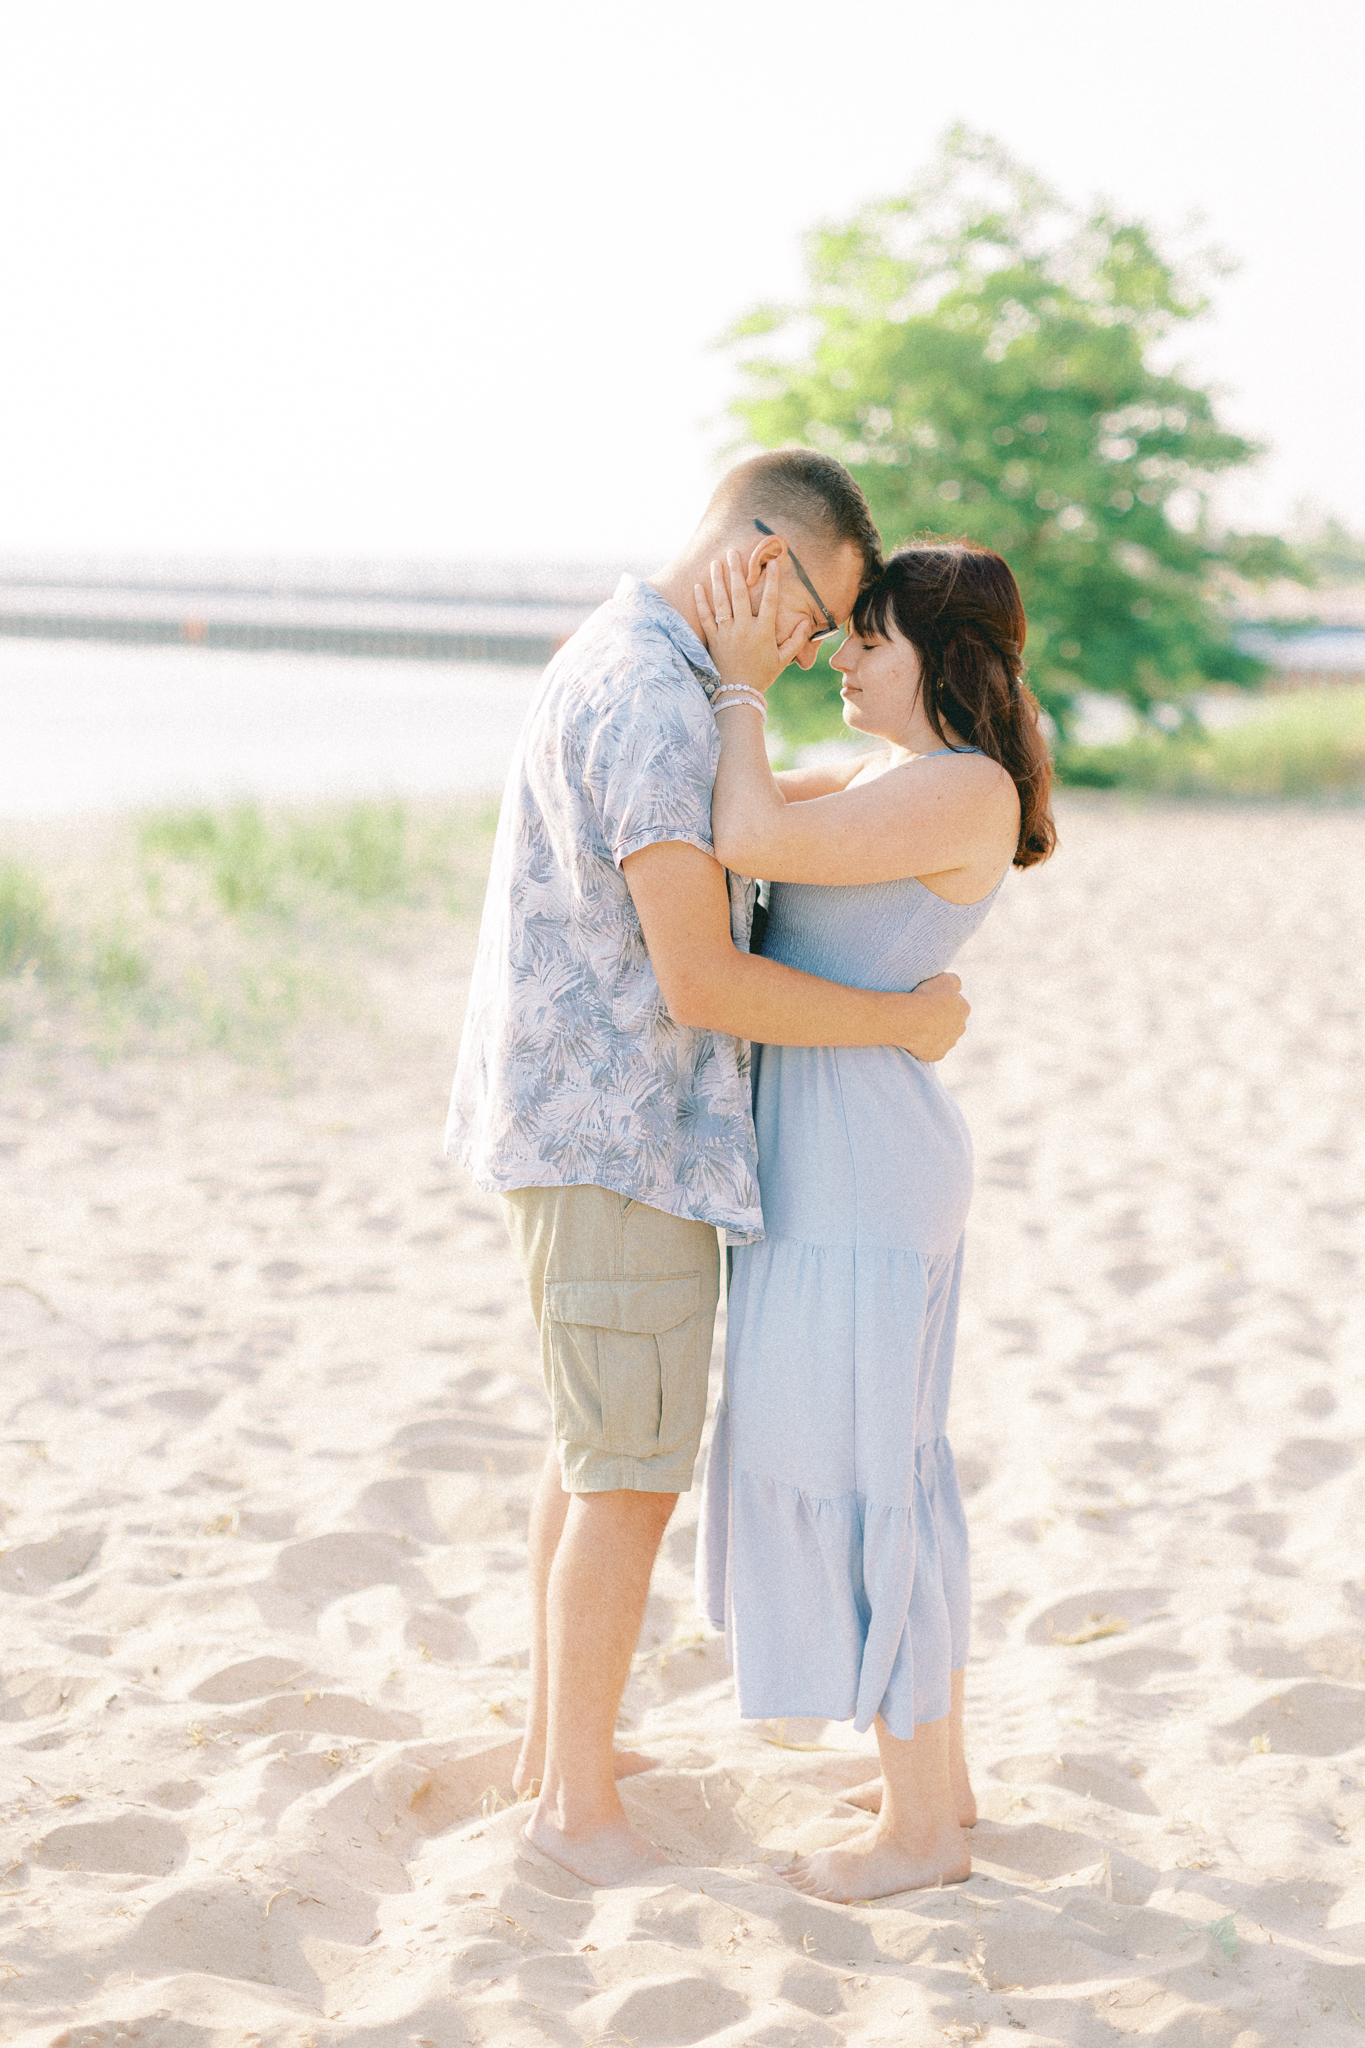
623,1364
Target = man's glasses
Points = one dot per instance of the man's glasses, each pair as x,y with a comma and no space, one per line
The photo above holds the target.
831,625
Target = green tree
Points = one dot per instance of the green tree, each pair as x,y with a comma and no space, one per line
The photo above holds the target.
984,358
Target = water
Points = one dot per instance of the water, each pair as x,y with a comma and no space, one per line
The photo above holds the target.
88,727
1334,650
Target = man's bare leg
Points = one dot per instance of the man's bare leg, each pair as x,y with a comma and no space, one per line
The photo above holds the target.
548,1510
598,1586
869,1796
915,1841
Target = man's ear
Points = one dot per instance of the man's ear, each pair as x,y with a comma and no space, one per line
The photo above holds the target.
771,548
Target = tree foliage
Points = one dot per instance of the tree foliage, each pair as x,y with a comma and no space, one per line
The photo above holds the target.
985,359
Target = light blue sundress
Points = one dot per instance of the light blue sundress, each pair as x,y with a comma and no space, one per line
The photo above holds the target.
833,1546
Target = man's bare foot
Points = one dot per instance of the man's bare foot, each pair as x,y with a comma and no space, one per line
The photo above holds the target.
869,1798
616,1854
873,1866
526,1776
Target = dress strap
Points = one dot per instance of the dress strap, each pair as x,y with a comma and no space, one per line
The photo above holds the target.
946,750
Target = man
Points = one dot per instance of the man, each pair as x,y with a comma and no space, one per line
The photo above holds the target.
603,1091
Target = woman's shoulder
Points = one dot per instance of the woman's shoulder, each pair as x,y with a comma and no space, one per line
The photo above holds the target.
966,772
975,801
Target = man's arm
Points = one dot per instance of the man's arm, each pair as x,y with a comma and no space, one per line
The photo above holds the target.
683,904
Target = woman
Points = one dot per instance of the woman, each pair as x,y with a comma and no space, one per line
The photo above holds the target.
834,1545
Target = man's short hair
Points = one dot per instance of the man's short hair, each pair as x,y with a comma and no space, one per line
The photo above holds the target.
801,488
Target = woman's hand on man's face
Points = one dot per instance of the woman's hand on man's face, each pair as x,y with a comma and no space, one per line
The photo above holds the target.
742,642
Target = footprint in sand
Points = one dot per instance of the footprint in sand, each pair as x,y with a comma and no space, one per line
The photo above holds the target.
226,1931
135,1845
1131,1668
1267,1531
34,1695
1089,1777
1034,1849
323,1567
192,1404
442,1793
177,1794
323,1713
37,1567
253,1679
1308,1461
464,1442
401,1505
1314,1719
440,1636
1089,1617
671,2009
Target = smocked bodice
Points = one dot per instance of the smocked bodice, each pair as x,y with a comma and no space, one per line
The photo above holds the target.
878,935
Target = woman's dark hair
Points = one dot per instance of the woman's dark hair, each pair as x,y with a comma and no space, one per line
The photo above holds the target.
960,608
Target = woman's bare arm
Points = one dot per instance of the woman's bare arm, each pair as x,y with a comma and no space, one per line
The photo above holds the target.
929,817
799,785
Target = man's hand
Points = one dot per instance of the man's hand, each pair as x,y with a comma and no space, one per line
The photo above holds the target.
942,1019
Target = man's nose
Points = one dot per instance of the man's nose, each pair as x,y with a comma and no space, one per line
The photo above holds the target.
806,658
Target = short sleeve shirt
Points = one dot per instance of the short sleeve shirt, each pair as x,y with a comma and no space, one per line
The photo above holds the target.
571,1071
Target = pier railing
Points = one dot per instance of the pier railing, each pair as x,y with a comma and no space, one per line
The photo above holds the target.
515,613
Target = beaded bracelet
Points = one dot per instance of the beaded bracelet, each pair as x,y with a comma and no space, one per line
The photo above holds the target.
731,694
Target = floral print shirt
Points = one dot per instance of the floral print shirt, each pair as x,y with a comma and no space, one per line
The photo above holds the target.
571,1071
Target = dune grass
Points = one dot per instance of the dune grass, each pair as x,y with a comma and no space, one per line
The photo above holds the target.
233,928
365,852
28,937
41,953
1305,746
230,928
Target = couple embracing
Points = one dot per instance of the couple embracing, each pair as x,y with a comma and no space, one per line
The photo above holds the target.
605,1091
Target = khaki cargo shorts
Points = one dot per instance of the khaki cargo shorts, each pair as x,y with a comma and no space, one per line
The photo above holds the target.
625,1299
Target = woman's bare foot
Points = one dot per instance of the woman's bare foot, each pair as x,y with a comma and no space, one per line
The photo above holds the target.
869,1797
616,1854
526,1776
874,1865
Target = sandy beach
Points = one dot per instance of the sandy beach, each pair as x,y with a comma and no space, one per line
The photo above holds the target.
271,1416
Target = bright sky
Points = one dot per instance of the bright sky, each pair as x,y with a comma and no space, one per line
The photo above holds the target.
317,277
